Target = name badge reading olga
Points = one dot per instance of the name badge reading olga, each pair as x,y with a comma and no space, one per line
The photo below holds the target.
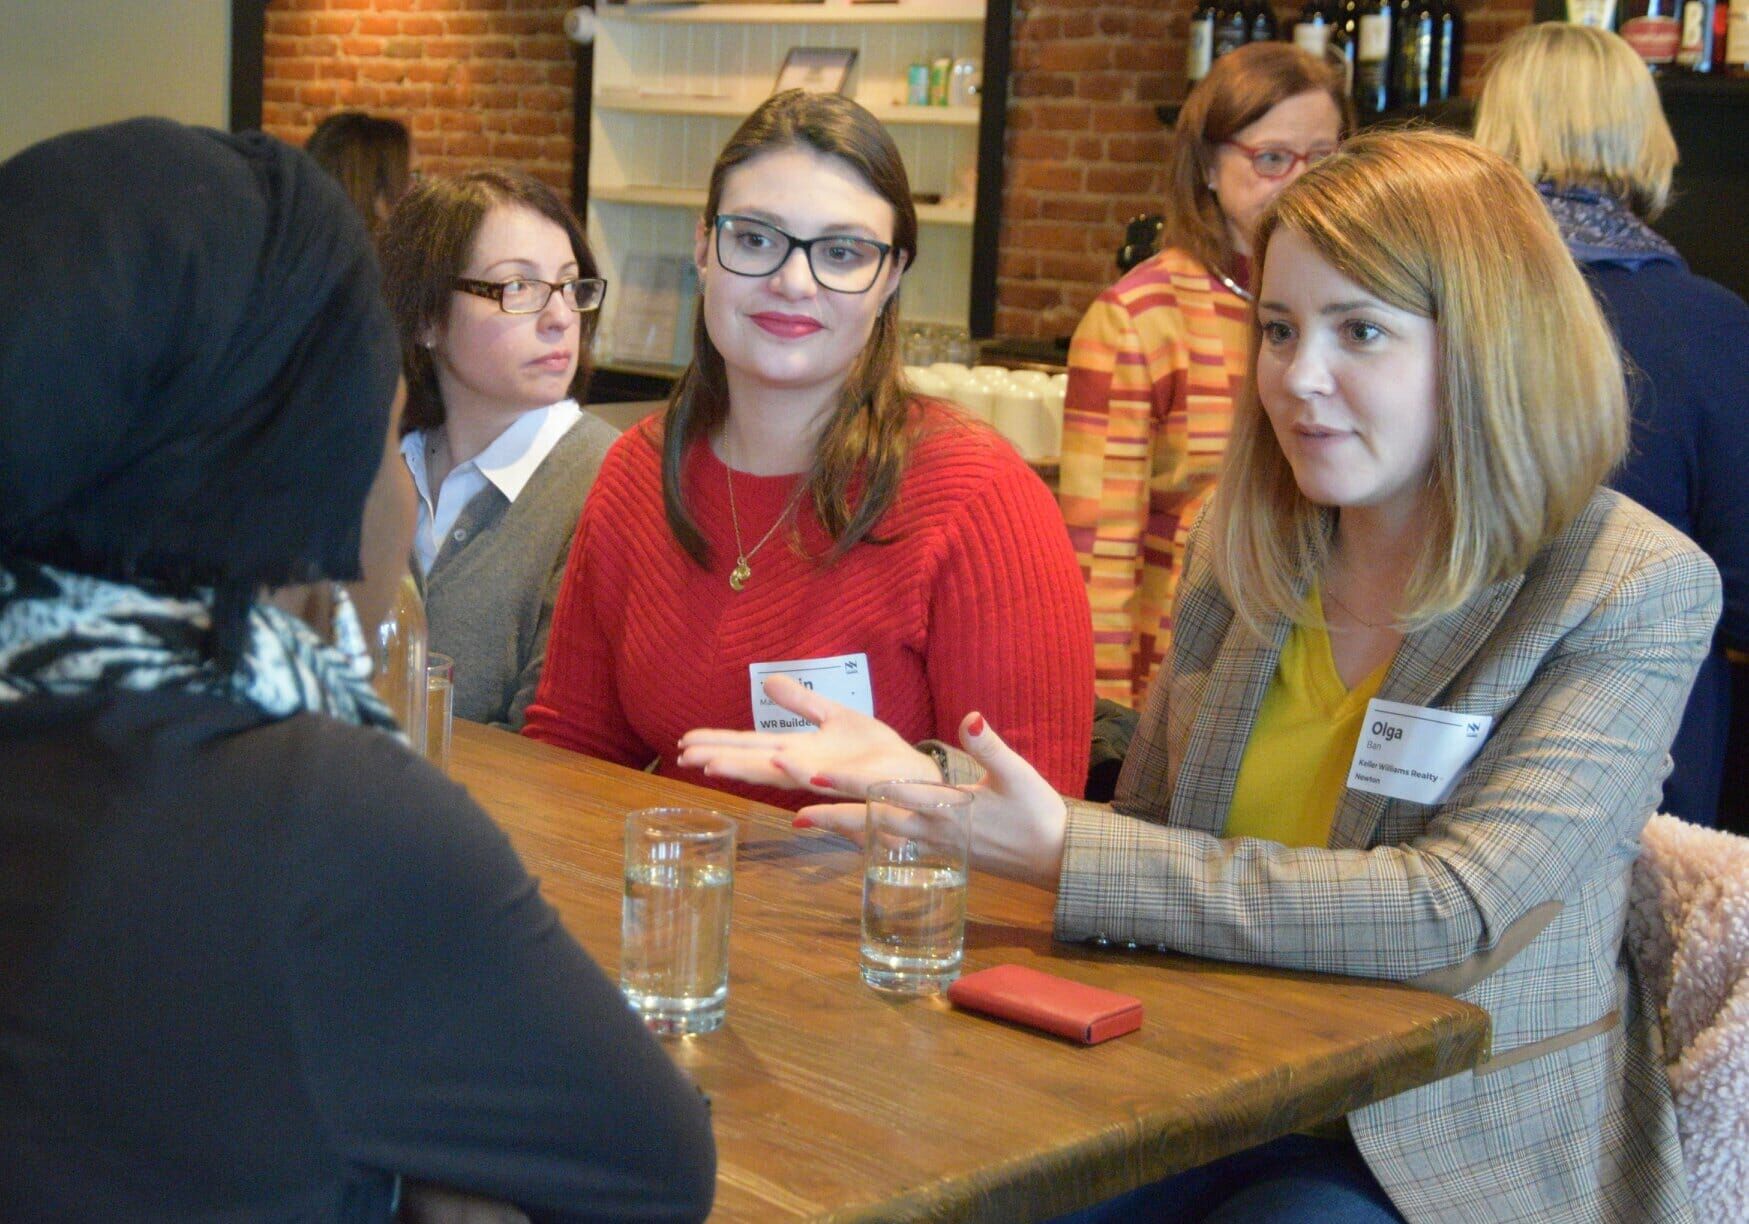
1414,752
843,678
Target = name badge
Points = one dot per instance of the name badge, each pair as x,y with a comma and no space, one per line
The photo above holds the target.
1414,752
843,678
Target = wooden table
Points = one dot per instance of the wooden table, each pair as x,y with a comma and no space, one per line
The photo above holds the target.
832,1101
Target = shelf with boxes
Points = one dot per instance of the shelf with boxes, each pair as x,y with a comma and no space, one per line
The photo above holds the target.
670,83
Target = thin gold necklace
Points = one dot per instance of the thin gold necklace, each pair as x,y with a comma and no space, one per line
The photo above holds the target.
1355,615
743,571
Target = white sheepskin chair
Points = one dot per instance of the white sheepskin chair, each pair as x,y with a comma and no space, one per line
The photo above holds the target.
1688,931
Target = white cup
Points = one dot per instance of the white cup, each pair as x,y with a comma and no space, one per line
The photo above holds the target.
928,382
1020,417
1035,378
975,397
1053,414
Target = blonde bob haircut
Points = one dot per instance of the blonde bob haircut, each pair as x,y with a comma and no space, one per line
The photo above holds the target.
1532,404
1576,106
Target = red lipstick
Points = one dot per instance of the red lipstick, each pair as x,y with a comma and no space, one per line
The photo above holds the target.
787,326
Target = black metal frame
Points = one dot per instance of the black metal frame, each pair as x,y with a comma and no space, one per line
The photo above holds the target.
992,148
248,53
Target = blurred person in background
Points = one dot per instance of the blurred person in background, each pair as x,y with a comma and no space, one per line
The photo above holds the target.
1576,110
1159,359
371,157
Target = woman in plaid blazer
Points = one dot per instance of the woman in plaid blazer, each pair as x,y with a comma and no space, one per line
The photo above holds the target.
1422,447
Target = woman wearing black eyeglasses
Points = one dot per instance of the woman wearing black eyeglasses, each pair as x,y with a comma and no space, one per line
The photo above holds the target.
797,509
1158,360
495,293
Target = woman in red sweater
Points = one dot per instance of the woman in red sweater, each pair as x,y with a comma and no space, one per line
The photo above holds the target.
796,510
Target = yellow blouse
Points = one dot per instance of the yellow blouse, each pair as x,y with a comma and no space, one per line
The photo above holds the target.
1296,761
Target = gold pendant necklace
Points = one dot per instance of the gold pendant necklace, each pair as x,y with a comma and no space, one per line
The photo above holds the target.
743,571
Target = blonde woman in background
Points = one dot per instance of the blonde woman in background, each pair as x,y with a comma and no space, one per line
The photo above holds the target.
1411,511
1575,109
1159,359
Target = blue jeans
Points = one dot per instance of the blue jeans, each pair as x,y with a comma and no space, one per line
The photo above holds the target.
1295,1179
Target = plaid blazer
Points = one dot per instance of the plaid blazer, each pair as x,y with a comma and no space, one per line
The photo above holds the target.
1510,894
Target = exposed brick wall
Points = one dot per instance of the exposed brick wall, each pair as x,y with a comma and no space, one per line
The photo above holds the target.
489,81
1086,152
479,82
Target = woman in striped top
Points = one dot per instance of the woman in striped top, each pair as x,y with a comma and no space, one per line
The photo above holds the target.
1159,358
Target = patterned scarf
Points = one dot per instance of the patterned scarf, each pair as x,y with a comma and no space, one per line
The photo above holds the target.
64,634
1599,228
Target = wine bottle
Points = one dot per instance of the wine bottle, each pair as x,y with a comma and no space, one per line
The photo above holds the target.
1651,27
1449,51
1737,39
1232,26
1202,42
1344,37
1312,30
1416,27
1599,14
1261,25
1372,58
1703,35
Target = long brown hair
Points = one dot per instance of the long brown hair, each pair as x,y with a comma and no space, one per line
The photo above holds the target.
370,155
1242,87
426,243
864,446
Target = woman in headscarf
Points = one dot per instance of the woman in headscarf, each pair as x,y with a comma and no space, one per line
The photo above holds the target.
256,958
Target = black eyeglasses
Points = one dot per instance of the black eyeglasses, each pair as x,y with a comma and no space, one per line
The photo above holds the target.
521,295
839,262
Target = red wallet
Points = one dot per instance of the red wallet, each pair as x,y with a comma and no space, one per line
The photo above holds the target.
1045,1001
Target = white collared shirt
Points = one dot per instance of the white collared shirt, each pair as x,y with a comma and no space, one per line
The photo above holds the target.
508,463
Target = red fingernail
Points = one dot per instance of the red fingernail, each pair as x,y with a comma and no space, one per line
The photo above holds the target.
821,781
977,725
801,822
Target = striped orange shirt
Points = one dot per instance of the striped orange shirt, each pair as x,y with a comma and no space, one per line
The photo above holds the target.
1155,368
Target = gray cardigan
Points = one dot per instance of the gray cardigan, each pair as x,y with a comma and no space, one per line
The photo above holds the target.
490,593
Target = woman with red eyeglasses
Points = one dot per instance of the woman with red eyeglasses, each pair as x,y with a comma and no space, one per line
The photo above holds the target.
1159,358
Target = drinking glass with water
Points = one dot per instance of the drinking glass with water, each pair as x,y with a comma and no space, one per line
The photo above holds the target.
674,918
914,886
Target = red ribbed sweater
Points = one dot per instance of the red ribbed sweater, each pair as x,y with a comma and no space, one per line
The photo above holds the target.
977,603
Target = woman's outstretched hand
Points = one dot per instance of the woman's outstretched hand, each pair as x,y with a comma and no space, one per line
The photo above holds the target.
1017,819
849,753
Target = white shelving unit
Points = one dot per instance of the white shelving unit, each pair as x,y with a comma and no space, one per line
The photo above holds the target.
671,82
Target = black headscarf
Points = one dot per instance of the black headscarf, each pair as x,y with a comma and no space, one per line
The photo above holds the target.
196,365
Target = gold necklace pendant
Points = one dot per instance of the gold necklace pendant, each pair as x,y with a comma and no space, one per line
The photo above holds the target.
739,576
